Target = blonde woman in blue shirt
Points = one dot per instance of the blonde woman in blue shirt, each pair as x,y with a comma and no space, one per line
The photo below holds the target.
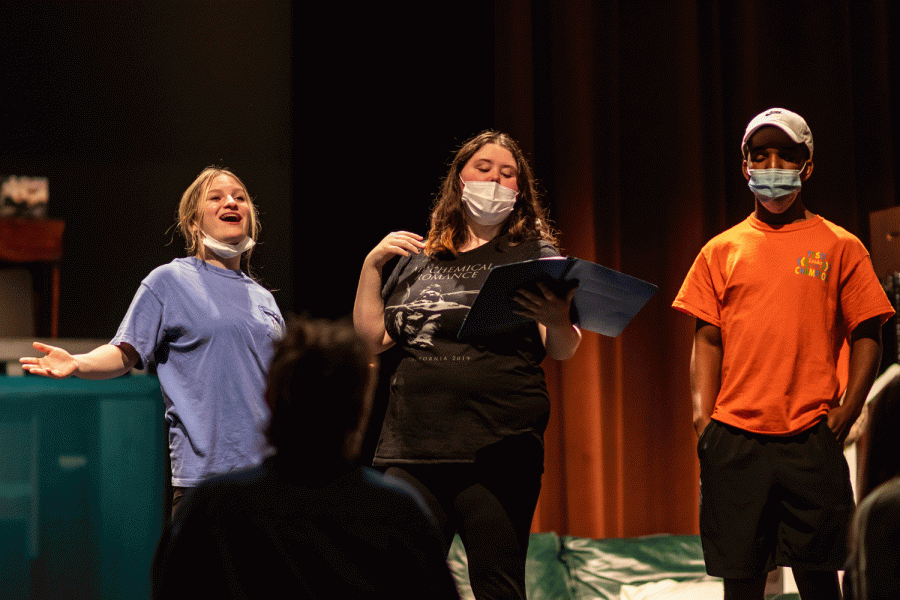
208,328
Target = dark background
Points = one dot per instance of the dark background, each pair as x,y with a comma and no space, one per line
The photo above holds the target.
342,121
339,122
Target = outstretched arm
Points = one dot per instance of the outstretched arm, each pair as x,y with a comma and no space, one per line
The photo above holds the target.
368,309
104,362
865,357
706,372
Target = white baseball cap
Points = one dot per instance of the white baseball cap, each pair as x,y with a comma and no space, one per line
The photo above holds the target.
789,122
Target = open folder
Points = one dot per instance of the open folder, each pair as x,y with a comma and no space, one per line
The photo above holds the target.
605,301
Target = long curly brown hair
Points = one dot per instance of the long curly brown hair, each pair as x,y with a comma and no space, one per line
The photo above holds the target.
529,219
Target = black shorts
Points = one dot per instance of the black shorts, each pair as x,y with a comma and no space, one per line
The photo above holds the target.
769,500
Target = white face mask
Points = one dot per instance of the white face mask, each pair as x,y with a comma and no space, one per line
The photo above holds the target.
487,202
224,249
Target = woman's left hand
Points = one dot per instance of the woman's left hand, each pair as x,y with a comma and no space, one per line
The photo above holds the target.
561,338
545,307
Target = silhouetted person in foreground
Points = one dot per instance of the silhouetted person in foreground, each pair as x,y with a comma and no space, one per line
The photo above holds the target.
306,523
879,459
874,571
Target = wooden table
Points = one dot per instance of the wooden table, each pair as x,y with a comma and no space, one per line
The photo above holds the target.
35,242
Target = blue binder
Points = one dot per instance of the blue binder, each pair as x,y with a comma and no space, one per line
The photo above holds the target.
605,301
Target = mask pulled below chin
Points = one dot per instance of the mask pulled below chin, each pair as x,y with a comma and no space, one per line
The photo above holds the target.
224,249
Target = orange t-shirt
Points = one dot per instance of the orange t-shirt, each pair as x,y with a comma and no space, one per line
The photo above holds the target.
785,300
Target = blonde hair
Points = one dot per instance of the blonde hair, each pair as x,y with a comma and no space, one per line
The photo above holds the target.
528,221
191,205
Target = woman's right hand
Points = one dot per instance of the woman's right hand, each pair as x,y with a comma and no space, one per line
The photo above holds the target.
368,309
396,243
56,362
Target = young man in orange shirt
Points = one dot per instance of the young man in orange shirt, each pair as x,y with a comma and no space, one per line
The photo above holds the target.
775,298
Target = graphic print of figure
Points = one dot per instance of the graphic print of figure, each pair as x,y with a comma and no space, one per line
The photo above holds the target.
419,319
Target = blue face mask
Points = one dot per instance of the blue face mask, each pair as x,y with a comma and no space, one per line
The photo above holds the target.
771,184
776,189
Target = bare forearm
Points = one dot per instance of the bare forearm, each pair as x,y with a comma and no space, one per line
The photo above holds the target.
704,390
864,360
706,374
368,308
551,311
865,357
103,362
561,342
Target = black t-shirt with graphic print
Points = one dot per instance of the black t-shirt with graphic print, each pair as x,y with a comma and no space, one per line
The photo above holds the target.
450,398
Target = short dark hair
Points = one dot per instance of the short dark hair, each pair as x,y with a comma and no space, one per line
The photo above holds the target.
318,387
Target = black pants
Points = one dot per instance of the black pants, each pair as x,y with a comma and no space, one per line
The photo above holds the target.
490,503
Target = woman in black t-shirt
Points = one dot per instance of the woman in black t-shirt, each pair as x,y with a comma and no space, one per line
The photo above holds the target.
465,418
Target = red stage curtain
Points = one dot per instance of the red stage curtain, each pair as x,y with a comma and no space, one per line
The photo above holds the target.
633,115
